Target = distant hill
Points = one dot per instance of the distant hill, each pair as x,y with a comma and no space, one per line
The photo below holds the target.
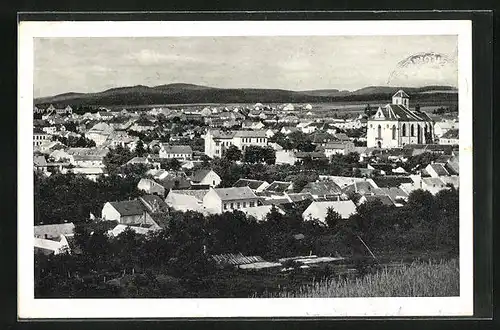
410,90
326,92
191,94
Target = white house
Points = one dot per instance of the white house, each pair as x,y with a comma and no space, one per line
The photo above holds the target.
126,212
255,185
186,200
260,212
205,177
395,125
219,200
285,157
436,170
269,133
52,246
338,148
216,141
441,127
255,125
433,185
151,187
318,210
99,133
175,151
39,137
450,137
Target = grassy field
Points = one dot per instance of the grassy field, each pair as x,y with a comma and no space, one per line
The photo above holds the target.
418,279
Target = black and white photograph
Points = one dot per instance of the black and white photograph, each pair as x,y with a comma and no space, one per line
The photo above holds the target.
218,166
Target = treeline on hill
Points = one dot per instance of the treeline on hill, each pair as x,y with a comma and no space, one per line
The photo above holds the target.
175,262
183,94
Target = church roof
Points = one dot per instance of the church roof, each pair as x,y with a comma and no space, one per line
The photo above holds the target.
401,93
398,112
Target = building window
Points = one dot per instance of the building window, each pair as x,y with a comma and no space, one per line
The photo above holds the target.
379,130
252,204
394,132
404,130
225,206
238,205
244,204
412,130
232,205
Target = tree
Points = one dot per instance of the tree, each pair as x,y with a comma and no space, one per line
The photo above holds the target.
332,218
233,153
139,149
253,154
275,220
116,157
170,164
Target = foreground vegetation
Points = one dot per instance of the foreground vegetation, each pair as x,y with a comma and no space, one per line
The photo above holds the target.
418,279
176,262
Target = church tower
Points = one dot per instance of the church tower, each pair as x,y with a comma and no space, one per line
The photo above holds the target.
401,98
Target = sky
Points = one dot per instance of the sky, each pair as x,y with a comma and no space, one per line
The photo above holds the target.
297,63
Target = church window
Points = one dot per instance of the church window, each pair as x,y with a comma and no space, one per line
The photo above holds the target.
379,131
412,130
394,132
404,130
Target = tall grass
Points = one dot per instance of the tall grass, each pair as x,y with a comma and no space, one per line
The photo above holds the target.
418,279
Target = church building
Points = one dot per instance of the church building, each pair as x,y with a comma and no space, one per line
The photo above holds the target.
395,125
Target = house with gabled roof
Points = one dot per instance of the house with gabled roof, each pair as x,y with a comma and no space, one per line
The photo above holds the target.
279,187
384,199
255,185
54,246
251,124
217,141
260,212
99,133
450,137
175,151
186,200
219,200
433,185
205,177
319,210
338,148
137,212
360,188
395,125
322,188
436,170
151,187
299,197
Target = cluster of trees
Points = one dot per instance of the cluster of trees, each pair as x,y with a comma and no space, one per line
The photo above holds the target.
294,141
252,154
443,110
419,161
176,262
119,156
75,142
72,197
